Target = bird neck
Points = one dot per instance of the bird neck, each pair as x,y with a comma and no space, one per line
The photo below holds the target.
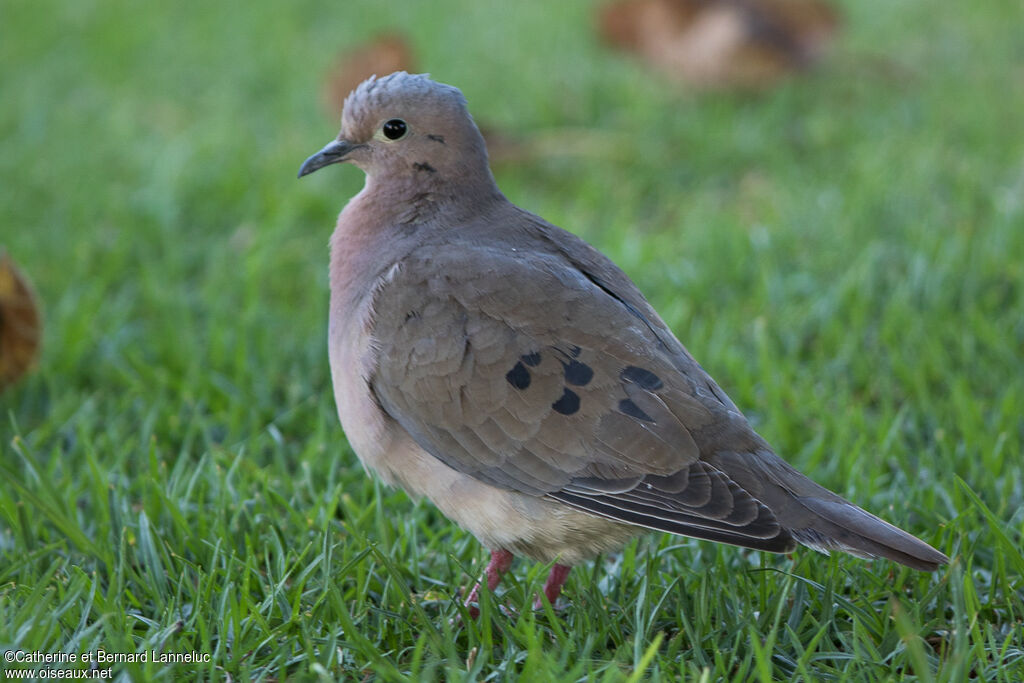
422,194
384,222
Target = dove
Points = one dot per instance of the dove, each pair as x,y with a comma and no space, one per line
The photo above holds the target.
507,371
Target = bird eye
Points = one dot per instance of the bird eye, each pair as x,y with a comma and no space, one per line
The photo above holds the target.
394,129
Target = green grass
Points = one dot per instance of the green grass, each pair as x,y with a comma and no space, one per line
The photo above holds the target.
845,254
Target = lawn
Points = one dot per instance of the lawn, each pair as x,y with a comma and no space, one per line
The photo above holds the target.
844,254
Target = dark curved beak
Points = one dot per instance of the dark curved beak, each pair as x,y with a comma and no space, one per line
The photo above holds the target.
335,152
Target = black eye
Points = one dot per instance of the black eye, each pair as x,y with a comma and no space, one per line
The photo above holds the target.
394,129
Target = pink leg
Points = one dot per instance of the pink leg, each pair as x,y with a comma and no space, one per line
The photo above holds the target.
501,560
553,586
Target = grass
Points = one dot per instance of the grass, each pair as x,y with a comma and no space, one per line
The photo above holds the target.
845,254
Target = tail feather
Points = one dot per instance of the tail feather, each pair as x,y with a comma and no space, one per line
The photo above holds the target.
820,519
846,527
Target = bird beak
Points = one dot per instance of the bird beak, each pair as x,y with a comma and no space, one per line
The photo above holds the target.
333,153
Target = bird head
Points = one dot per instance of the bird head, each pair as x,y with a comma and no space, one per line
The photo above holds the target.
405,125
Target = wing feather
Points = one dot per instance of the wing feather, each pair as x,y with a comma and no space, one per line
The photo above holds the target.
508,374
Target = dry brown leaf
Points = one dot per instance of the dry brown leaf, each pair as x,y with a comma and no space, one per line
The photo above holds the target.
505,148
20,325
509,149
380,56
721,43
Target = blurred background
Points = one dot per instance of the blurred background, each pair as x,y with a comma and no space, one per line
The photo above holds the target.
826,203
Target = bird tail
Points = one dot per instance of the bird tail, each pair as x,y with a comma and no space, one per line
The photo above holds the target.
820,519
843,526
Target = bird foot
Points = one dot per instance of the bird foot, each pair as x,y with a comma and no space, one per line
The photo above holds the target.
500,562
553,586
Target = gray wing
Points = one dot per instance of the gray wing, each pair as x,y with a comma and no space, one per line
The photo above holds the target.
532,375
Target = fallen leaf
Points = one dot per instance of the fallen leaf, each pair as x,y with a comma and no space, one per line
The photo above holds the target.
721,43
505,148
20,325
380,56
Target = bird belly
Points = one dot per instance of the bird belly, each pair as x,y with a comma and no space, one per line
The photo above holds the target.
538,528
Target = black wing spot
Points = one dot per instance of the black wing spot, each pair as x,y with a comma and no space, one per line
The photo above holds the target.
627,407
412,315
574,351
642,377
518,376
568,404
578,373
531,359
